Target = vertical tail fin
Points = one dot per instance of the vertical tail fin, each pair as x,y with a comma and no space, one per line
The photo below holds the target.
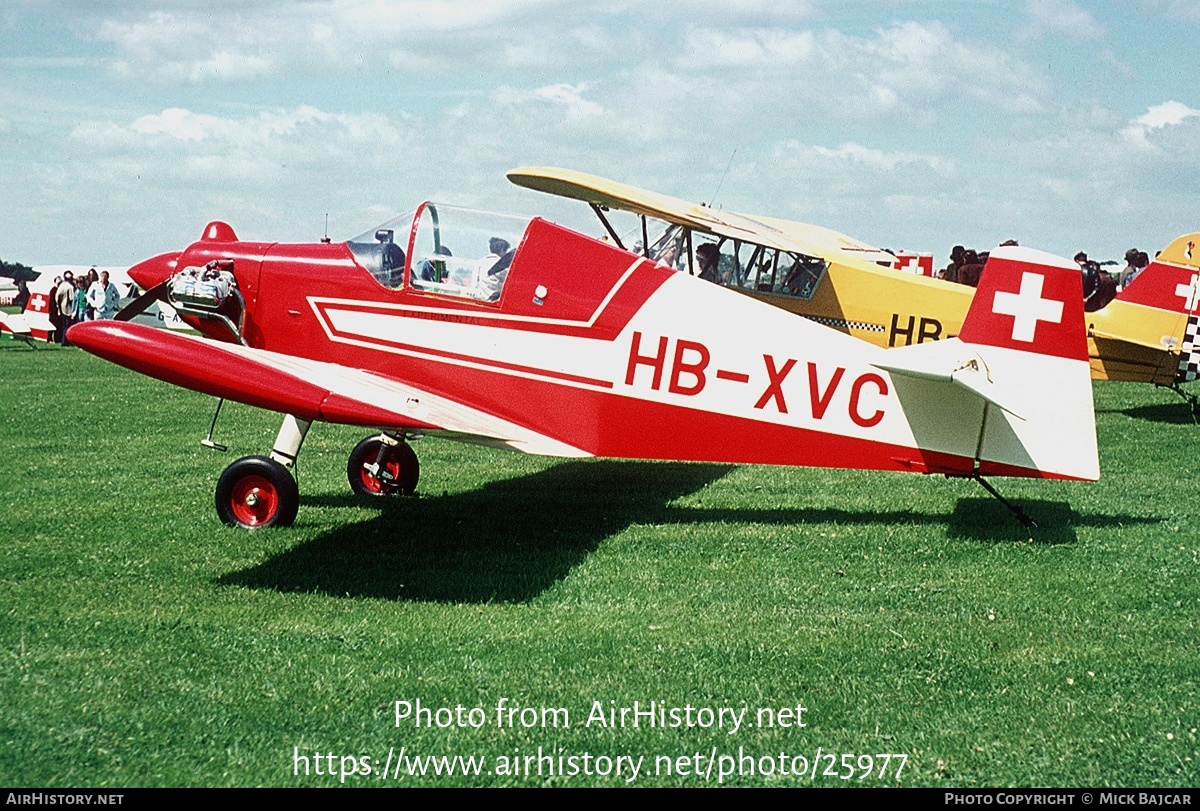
1170,281
1026,323
1029,301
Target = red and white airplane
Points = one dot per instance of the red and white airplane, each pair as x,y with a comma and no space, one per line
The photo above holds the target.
522,334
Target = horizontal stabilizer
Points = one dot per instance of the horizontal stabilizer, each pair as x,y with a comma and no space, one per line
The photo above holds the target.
948,361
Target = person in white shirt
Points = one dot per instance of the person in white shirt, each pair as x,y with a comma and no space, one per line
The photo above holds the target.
104,296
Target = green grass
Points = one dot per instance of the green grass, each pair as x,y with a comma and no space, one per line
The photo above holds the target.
144,644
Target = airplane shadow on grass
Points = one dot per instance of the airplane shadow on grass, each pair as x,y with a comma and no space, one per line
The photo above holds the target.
986,519
507,541
1178,412
511,540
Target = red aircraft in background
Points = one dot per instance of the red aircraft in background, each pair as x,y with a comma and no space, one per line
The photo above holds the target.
522,334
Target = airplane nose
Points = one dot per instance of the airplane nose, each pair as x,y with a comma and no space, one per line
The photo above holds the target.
155,270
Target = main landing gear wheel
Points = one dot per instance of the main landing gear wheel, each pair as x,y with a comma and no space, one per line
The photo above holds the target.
380,468
256,492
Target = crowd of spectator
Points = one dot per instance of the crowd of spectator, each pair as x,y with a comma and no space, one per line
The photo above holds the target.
86,297
966,265
1100,286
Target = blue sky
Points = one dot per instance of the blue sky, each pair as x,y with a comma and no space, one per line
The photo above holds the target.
126,126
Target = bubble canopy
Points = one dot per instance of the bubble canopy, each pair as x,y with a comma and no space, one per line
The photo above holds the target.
442,249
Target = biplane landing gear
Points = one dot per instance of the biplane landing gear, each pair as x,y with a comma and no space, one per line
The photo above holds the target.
1191,399
382,465
256,492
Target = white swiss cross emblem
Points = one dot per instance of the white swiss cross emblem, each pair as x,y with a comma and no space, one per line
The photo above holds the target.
1027,307
38,304
1189,292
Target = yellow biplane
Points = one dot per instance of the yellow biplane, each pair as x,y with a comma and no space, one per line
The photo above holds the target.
1148,333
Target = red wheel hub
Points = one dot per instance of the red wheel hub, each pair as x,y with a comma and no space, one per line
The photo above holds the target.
254,500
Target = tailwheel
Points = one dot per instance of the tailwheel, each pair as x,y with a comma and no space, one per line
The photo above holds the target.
380,466
256,492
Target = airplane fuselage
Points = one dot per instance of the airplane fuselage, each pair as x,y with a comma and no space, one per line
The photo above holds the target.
591,350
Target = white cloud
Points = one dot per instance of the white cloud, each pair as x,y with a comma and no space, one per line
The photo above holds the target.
571,98
909,69
714,48
1062,17
228,66
269,126
653,68
102,135
189,42
181,124
889,161
185,46
1167,114
204,149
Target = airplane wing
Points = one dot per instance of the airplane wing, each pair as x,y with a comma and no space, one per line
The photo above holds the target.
810,240
826,239
307,389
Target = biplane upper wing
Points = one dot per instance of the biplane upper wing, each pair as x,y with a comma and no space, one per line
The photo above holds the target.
810,240
826,240
309,389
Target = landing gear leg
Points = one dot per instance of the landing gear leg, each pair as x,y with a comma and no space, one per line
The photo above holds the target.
290,438
1025,520
208,440
1191,399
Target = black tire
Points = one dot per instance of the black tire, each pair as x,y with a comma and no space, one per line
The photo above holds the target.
399,460
256,492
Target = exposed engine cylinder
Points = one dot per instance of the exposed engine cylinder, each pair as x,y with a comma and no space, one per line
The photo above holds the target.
205,288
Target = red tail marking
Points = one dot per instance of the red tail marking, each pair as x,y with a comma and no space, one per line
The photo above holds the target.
1031,301
1189,292
1165,287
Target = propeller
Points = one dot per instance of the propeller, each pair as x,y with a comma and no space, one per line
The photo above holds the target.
136,307
152,275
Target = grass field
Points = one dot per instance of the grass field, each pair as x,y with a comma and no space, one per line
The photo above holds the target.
145,644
